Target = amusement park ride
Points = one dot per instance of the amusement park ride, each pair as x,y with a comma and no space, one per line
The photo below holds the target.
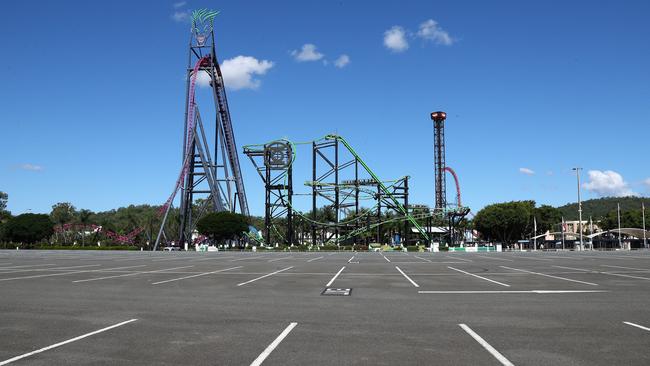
341,181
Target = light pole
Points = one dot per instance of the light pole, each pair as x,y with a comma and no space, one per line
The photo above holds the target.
645,244
578,169
618,213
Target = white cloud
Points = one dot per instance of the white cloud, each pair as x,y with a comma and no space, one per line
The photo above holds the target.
307,53
342,61
430,30
179,4
31,167
647,182
395,39
181,16
607,183
526,171
238,73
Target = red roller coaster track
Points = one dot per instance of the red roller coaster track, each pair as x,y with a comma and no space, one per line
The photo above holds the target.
453,173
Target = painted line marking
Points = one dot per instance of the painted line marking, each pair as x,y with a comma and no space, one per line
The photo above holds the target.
50,269
498,259
335,276
637,269
6,362
477,276
243,259
638,326
207,259
61,274
516,292
576,269
424,259
460,259
608,273
129,274
30,265
279,259
623,275
196,275
535,259
351,258
266,275
314,259
504,361
387,260
550,276
169,259
258,361
407,277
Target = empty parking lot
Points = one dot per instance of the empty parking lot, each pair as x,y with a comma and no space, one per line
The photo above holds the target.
142,308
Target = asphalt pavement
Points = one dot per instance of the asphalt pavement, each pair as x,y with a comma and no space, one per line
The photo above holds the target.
324,308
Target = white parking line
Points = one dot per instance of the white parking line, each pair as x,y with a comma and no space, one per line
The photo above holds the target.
424,259
460,259
477,276
498,259
30,265
407,277
623,275
170,259
61,274
638,326
535,259
196,275
636,269
607,273
6,362
129,274
550,276
504,361
279,259
576,269
335,276
314,259
387,260
243,259
208,259
49,269
350,260
258,361
266,275
515,292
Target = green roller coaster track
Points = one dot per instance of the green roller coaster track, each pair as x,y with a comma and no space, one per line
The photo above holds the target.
382,185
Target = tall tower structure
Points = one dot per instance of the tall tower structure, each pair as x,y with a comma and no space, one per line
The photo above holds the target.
210,169
438,119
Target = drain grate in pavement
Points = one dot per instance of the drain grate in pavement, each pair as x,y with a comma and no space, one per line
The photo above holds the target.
336,292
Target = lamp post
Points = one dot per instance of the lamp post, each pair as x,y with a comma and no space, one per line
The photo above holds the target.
618,214
645,244
577,170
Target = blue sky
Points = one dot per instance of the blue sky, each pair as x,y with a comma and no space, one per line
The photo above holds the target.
93,94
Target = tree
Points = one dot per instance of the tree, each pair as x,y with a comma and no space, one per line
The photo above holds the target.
4,214
83,216
29,228
4,197
505,222
62,213
629,219
220,226
547,217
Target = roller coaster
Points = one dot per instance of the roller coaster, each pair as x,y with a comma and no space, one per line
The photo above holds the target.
348,223
341,180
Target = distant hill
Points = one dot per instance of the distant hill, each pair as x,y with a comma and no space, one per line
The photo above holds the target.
597,208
